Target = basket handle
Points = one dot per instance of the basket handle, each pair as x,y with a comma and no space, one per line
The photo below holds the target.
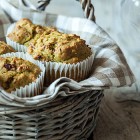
88,9
86,6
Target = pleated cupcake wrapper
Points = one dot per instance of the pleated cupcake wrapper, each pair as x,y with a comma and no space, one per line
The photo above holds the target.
18,47
34,88
77,72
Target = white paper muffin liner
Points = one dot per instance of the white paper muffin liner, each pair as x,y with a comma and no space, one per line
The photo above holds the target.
77,72
18,47
34,88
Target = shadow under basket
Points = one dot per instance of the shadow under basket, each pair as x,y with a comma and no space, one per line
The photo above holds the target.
65,118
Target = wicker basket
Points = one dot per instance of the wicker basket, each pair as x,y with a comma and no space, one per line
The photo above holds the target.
65,118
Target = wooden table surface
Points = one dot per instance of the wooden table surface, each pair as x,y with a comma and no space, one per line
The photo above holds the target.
118,120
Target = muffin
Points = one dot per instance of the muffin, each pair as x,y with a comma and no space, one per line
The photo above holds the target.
59,47
18,75
26,24
5,48
63,54
23,31
20,35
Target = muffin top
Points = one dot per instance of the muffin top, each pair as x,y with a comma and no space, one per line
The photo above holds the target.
59,47
38,31
20,35
25,23
17,72
22,32
5,48
25,31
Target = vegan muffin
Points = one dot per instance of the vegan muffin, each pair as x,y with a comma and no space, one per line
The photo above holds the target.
59,47
21,34
25,23
5,48
16,72
63,55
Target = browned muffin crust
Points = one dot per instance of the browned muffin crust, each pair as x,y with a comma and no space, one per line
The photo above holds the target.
20,35
17,72
25,31
5,48
59,47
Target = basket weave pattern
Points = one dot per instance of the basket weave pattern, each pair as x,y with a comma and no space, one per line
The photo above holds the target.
70,118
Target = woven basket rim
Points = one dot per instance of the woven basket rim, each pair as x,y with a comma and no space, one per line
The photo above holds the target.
39,100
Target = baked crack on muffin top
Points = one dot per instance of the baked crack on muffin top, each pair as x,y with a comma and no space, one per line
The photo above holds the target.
5,48
59,47
17,72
